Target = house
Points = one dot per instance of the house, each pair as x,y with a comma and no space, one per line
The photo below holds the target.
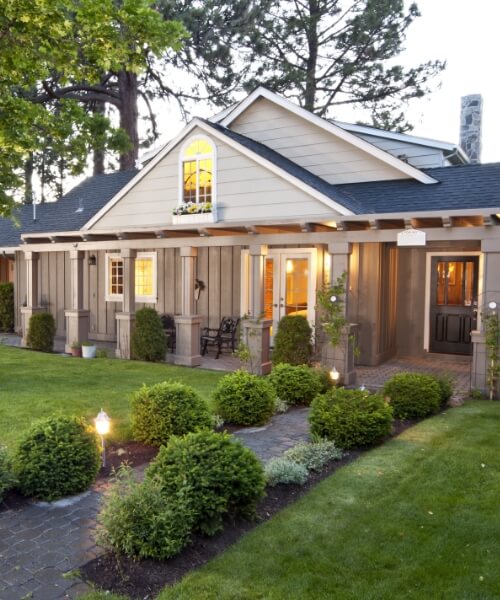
288,202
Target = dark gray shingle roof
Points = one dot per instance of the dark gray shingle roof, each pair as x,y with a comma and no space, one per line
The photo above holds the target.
92,194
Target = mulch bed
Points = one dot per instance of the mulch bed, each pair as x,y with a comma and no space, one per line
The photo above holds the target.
145,578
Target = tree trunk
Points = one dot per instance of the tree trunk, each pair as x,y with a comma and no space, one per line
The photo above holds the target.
99,108
127,83
312,58
28,179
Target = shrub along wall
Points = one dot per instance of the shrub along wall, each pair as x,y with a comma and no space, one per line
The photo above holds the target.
6,307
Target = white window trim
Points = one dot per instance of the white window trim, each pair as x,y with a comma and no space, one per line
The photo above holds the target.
182,160
119,297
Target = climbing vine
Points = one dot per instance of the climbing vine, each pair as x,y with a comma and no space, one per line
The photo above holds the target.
492,341
331,302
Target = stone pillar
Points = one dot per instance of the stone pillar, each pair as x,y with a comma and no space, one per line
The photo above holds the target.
32,305
77,318
188,324
125,320
489,293
256,330
342,356
470,126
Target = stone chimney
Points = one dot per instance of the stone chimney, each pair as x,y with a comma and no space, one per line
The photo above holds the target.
470,126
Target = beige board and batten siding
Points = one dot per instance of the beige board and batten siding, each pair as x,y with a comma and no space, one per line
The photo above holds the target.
310,146
422,157
245,191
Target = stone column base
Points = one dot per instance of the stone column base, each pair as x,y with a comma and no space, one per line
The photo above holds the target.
342,356
125,323
256,335
479,367
26,313
187,340
77,327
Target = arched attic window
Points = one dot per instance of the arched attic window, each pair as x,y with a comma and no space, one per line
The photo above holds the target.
197,170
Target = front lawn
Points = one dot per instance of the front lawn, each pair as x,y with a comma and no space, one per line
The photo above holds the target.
417,518
33,385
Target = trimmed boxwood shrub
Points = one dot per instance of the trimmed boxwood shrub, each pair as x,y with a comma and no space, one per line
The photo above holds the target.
165,409
351,418
446,386
220,477
7,479
41,332
149,341
6,306
244,399
295,384
413,395
138,520
292,343
58,456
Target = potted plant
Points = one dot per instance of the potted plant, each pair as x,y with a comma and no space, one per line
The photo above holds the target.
76,349
88,349
194,212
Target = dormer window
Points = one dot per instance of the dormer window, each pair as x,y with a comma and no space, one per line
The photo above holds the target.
197,171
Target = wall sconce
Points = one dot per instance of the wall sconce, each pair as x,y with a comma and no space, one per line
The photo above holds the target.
92,260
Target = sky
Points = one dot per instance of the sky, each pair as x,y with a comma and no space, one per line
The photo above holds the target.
465,34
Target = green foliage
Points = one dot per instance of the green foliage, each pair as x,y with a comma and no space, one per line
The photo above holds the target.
101,353
292,343
413,395
57,457
138,520
7,306
350,418
325,381
315,455
148,339
445,383
295,384
165,409
217,474
244,399
331,304
7,479
41,332
492,342
285,470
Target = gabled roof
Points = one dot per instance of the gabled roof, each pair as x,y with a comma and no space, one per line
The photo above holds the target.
67,214
236,110
460,187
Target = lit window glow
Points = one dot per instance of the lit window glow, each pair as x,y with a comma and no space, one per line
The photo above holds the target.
145,278
197,172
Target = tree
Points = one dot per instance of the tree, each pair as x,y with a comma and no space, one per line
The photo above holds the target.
326,53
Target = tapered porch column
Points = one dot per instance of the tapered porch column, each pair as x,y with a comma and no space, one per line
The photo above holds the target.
77,318
187,324
32,304
342,356
125,320
256,329
489,293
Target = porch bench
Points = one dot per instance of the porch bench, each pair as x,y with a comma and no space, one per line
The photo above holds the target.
225,335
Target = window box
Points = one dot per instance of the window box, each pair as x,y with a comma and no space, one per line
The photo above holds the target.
195,218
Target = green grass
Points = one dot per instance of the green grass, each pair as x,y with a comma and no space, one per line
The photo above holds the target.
33,385
416,518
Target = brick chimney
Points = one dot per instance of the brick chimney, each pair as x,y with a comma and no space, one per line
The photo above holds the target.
470,126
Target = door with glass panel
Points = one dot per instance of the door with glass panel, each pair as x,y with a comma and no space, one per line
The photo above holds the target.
289,285
453,307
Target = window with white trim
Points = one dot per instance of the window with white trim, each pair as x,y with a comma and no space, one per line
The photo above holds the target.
197,171
145,277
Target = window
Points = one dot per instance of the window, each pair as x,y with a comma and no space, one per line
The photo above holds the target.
197,171
145,277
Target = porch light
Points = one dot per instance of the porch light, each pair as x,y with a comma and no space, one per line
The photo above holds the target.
492,305
102,425
92,260
334,375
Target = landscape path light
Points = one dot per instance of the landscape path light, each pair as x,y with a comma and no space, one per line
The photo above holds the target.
102,425
334,375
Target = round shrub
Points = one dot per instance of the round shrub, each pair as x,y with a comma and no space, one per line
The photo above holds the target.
219,475
351,418
7,306
139,521
324,378
165,409
57,457
7,479
295,384
292,343
413,395
244,399
446,386
149,341
41,332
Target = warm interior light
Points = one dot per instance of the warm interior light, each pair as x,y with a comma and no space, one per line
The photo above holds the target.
102,423
289,266
334,374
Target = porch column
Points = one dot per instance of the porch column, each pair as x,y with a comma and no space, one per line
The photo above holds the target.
256,329
32,305
489,293
342,356
77,318
125,320
187,324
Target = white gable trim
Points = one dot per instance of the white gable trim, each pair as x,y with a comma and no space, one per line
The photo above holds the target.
331,128
214,133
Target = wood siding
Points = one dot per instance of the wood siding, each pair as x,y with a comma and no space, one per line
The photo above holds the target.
6,269
422,157
310,146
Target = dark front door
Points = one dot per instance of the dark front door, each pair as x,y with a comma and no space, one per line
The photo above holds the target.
453,303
